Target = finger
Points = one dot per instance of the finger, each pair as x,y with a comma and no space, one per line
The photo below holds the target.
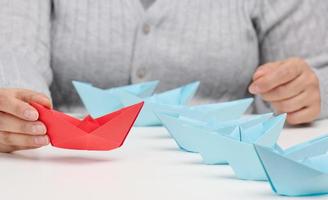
266,68
10,148
293,104
287,90
6,148
18,108
281,75
15,139
305,115
10,123
31,96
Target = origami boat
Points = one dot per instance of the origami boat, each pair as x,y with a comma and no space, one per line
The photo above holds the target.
235,148
169,101
211,113
299,171
104,133
187,134
99,101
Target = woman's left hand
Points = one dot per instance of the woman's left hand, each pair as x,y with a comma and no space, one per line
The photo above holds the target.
291,87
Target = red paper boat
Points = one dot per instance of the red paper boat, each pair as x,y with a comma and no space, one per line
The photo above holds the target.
104,133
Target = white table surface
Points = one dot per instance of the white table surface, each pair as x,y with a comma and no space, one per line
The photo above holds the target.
148,166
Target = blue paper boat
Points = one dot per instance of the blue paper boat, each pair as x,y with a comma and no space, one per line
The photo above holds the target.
210,113
187,134
98,101
170,101
243,122
235,148
300,170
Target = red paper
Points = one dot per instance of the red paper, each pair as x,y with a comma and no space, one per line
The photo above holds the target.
104,133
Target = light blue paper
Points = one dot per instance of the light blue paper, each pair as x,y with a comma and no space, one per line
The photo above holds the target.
170,101
184,130
243,122
319,162
214,116
235,148
218,112
99,102
240,154
310,148
298,171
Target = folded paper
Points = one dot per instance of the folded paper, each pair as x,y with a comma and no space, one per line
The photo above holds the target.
235,148
211,113
298,171
168,100
99,101
104,133
183,130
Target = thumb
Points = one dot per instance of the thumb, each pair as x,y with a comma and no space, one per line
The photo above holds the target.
265,69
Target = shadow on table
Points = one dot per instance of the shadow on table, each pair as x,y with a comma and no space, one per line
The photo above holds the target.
165,148
307,125
157,136
271,194
75,160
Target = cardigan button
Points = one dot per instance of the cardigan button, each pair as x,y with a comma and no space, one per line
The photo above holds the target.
146,29
141,73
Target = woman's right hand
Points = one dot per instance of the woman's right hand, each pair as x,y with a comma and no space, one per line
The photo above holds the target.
19,125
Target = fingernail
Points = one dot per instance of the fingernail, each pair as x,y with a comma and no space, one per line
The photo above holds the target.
42,140
31,114
254,89
38,128
45,100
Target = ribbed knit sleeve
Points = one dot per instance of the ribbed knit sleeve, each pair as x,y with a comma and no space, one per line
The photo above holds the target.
296,28
25,44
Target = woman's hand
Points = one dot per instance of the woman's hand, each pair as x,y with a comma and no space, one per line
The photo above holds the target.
19,128
291,87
